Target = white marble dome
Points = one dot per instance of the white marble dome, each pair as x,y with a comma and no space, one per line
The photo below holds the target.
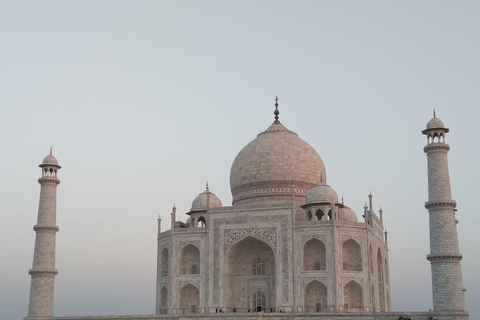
205,200
50,160
272,162
348,214
321,193
435,123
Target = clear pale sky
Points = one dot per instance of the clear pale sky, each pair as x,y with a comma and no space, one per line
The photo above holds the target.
143,101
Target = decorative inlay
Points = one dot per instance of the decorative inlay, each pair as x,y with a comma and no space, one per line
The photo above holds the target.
269,235
307,280
346,237
320,237
195,283
183,243
283,233
236,208
356,279
270,188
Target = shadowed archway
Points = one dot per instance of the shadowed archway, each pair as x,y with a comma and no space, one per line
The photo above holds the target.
249,268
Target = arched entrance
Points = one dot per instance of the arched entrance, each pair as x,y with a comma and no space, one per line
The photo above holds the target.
189,299
189,260
163,300
353,297
249,276
315,297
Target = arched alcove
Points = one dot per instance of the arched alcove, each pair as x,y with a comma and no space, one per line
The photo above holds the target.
314,257
370,258
164,263
315,297
351,256
381,283
372,297
309,215
189,299
189,262
386,270
249,267
353,297
201,222
319,214
164,300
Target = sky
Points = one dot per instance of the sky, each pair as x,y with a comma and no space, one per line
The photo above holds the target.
143,101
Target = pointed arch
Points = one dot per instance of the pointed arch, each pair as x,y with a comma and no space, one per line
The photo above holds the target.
353,297
314,255
164,300
164,263
189,299
315,297
249,267
351,256
201,222
309,215
189,261
319,214
370,258
331,214
372,297
386,271
381,283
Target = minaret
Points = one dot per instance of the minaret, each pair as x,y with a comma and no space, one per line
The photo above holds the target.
43,271
447,281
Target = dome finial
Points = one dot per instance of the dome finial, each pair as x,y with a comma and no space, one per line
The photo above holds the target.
276,112
206,185
50,150
434,115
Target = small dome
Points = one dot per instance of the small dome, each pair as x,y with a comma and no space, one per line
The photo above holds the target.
348,214
435,123
321,193
205,200
50,160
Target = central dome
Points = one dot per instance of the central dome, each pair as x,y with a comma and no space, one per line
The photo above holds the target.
273,162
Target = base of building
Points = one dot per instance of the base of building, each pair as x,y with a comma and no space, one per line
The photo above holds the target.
283,316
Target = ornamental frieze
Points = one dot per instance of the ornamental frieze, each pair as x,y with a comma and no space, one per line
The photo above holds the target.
268,235
183,243
320,237
282,256
195,283
307,280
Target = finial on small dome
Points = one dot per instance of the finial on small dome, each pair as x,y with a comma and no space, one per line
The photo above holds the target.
50,150
174,209
434,115
206,185
342,199
276,112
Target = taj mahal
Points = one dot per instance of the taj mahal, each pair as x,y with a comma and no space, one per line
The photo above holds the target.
286,248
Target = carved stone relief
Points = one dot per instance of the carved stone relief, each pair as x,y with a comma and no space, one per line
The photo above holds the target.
219,242
307,280
195,283
320,237
269,235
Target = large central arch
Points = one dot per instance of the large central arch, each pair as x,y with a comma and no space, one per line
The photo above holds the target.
249,273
